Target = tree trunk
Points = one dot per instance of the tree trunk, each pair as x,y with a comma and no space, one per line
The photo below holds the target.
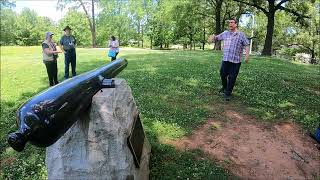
185,46
91,24
190,38
217,44
313,58
142,36
151,42
204,37
267,49
313,54
119,39
94,37
139,33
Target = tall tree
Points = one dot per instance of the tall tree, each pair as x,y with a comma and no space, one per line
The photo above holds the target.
187,22
26,32
161,24
114,19
308,36
138,13
269,8
86,8
218,11
217,17
79,24
8,23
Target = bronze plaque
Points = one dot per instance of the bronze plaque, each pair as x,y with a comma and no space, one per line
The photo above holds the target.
136,140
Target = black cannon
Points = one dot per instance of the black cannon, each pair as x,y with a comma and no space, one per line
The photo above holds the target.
47,116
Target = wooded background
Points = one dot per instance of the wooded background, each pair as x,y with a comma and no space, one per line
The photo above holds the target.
285,27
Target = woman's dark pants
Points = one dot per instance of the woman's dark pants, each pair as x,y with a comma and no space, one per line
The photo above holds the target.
52,71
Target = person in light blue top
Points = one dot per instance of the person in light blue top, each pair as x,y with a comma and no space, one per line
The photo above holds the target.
234,43
114,47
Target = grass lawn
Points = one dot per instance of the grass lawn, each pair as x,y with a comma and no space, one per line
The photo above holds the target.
176,91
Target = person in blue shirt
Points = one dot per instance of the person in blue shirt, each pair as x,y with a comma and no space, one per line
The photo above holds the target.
234,43
68,47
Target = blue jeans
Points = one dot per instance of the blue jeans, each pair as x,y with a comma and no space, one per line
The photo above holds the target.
318,134
228,73
69,58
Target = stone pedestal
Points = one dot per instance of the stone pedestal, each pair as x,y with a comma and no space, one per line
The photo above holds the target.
95,147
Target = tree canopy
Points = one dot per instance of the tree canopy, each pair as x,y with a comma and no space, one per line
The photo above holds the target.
278,24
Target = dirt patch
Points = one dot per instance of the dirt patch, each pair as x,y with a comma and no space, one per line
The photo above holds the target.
253,150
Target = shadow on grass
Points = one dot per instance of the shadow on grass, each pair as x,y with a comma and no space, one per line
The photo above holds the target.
175,92
166,162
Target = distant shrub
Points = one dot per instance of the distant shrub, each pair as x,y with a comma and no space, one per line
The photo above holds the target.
295,53
303,57
288,53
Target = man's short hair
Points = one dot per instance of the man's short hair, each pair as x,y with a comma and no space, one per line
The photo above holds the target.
233,19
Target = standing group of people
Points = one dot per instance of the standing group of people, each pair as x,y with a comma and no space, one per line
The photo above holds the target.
234,43
68,47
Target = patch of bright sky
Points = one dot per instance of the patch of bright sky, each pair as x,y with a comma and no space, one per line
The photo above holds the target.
245,19
49,8
43,8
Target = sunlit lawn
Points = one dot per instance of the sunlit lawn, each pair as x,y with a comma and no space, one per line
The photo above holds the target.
175,92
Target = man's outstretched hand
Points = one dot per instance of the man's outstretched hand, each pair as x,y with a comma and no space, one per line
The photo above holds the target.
211,38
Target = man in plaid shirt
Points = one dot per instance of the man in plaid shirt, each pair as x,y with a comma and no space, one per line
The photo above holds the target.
234,43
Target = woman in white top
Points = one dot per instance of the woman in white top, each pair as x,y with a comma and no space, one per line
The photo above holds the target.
114,46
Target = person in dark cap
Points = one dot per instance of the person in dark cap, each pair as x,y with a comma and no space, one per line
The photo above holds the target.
68,46
50,55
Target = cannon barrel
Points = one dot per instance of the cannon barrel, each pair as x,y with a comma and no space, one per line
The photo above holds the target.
47,116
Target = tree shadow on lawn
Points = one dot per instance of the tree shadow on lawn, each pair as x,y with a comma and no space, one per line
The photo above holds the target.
9,114
174,97
13,165
169,163
166,162
183,165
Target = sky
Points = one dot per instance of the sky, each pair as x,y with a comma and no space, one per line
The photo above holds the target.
48,8
43,8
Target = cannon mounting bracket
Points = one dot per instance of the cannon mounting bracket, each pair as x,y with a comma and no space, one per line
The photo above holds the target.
108,83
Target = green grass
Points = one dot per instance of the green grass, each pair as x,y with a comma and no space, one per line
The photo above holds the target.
175,91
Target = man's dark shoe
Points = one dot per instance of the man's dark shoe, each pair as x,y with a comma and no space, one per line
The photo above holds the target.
227,97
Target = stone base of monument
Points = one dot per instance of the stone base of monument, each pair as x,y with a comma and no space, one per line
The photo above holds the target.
96,146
